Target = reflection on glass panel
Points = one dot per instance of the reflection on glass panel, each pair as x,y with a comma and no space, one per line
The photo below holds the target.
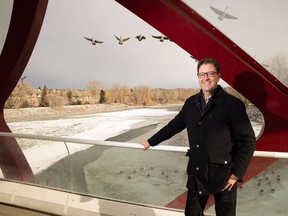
5,16
256,26
266,193
49,162
152,177
67,171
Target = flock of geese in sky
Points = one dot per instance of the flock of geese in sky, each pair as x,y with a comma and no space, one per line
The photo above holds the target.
221,16
121,39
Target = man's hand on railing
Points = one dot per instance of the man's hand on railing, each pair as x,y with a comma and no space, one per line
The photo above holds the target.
145,145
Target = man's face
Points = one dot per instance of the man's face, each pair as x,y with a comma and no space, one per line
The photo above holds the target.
208,78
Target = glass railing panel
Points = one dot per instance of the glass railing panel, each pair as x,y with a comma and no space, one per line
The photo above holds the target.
61,173
48,160
153,177
265,189
132,175
44,157
79,159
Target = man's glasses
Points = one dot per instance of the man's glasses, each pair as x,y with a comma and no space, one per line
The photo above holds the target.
209,74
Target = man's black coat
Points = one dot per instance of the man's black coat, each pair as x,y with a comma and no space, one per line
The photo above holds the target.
221,140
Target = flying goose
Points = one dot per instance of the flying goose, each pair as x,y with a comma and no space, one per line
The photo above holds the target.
121,40
223,14
140,37
94,41
161,37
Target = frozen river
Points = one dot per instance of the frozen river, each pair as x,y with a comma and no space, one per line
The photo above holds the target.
99,126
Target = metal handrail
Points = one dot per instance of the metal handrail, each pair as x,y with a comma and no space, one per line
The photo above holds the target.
266,154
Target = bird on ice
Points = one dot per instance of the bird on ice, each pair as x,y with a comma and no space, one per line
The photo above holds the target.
121,40
94,41
161,37
223,14
140,37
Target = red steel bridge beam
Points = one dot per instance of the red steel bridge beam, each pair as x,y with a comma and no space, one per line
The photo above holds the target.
26,21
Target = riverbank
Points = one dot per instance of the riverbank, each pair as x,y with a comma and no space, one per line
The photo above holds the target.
45,113
48,113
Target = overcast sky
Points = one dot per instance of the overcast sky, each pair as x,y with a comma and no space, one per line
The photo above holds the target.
260,28
5,14
62,57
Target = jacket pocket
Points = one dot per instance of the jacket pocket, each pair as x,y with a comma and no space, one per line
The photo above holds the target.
218,175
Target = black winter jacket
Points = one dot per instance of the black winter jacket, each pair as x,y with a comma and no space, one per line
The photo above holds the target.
221,140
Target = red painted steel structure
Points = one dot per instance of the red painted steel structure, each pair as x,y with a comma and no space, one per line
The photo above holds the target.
25,25
187,29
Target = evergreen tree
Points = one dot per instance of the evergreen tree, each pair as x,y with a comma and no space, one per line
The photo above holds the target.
103,98
70,97
44,99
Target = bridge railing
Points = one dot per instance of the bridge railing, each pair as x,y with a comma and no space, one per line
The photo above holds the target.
123,172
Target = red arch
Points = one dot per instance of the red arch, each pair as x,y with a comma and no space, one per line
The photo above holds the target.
26,20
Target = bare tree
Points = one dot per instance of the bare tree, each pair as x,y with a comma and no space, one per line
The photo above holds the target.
278,66
20,97
94,87
141,96
56,100
120,94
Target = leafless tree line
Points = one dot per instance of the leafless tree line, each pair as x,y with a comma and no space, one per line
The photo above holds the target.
278,66
24,96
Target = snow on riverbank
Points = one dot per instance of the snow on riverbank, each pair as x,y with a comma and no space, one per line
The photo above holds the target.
41,154
24,114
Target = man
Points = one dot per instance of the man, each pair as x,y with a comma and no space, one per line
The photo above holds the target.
221,142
